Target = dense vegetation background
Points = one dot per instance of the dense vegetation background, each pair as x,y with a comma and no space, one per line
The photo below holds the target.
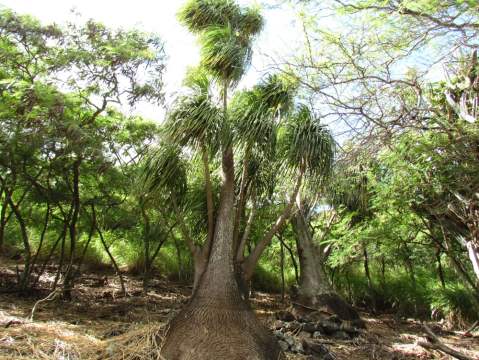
392,204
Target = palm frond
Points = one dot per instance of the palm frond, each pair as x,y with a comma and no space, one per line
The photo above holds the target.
255,112
195,205
199,15
226,33
194,121
225,53
308,143
278,91
197,79
250,22
253,121
165,171
263,169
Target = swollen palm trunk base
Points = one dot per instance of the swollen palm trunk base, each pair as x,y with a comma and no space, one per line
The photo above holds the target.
218,324
315,292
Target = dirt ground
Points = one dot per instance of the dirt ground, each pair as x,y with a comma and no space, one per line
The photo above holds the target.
101,324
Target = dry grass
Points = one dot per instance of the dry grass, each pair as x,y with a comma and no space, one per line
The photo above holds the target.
47,341
143,342
54,340
98,325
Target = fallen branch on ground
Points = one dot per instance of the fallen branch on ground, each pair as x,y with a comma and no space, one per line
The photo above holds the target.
13,322
435,344
50,297
311,308
471,329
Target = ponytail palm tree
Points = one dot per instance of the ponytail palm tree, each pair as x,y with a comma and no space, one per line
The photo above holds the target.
261,129
217,322
306,149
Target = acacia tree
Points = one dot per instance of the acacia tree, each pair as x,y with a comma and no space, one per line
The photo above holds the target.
50,133
253,131
365,81
371,75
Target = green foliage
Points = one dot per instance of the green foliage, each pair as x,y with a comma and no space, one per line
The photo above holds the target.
256,113
224,53
404,211
225,33
309,145
199,15
194,121
424,299
165,170
455,303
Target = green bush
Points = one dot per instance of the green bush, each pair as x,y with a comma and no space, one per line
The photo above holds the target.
424,298
455,304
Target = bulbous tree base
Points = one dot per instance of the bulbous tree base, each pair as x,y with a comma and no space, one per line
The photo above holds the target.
212,329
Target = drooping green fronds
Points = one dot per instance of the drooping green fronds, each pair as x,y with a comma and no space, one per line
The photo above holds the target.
197,79
165,171
278,91
198,15
250,22
194,121
225,53
309,144
263,169
255,113
226,31
253,121
195,204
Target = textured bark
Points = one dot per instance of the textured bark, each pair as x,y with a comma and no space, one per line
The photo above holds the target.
42,236
241,201
146,246
209,200
314,289
473,252
218,323
293,259
281,264
439,269
178,257
199,255
245,237
50,254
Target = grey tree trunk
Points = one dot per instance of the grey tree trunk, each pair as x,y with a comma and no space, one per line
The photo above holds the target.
218,323
314,288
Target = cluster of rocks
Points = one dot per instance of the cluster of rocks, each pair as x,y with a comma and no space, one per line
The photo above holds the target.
301,334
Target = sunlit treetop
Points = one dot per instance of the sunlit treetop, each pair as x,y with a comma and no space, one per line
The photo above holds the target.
256,112
309,143
200,15
225,32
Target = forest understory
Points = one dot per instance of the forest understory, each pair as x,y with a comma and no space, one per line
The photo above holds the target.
141,201
100,323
